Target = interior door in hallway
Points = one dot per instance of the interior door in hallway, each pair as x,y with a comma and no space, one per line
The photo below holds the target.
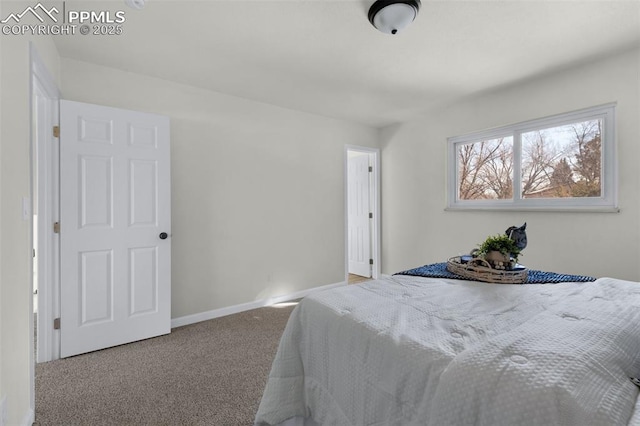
358,219
115,250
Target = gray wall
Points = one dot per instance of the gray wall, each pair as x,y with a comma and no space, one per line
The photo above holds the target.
16,290
416,228
257,190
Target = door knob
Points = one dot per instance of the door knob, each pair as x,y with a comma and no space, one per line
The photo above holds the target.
163,235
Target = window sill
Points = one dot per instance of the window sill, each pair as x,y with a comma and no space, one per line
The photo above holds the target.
547,209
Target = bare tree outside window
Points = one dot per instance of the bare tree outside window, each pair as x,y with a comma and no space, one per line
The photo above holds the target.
557,162
486,170
541,152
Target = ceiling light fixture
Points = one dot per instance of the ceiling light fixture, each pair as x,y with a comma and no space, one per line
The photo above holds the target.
392,16
135,4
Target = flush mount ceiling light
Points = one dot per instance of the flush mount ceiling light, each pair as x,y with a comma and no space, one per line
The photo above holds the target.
392,16
135,4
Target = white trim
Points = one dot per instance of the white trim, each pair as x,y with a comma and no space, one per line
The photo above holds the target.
3,410
28,418
229,310
375,202
585,209
47,201
46,190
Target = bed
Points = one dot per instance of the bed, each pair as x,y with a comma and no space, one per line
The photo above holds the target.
407,350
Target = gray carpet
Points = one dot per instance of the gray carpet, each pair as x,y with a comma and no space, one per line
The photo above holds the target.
210,373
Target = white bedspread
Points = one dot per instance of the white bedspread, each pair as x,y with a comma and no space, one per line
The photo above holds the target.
419,351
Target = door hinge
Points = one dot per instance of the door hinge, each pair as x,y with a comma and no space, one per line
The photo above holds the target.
370,215
56,324
56,131
370,168
370,261
56,227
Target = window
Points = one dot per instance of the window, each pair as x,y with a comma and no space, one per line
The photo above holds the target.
563,162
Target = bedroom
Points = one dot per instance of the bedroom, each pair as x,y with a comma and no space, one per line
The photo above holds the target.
212,245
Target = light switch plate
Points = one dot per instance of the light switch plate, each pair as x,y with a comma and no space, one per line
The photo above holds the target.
26,208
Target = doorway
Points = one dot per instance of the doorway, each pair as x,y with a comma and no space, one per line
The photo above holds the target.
362,213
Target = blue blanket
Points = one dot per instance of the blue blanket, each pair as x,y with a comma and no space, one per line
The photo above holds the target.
439,270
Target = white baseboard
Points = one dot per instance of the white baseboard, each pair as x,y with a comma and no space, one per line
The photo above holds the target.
216,313
28,418
3,411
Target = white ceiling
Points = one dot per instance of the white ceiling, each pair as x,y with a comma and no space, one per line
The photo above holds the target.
323,56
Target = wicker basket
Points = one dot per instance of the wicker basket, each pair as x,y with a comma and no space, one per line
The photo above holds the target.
479,269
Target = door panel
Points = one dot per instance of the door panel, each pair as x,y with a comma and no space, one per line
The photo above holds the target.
143,281
143,193
115,202
96,192
96,286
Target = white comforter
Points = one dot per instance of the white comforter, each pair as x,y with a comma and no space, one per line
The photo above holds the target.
418,351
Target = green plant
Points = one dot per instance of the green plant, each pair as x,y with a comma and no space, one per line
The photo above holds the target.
501,243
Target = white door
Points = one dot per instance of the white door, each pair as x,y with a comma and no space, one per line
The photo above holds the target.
358,215
115,249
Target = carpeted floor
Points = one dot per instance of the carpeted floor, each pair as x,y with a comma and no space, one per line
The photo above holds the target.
210,373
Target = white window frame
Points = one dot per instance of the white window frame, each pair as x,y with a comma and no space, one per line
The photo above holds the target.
608,200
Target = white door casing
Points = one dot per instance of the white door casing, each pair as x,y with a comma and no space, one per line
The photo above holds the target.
45,172
115,203
358,209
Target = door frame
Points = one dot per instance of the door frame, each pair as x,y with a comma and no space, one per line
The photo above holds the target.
44,195
374,158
